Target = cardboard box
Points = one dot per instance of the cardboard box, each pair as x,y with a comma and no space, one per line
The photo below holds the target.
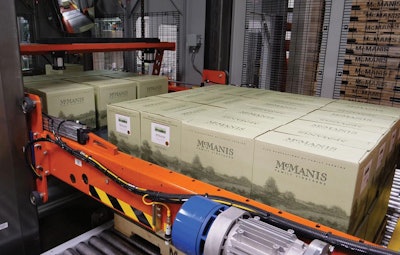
286,103
120,75
283,96
232,102
186,95
181,93
390,123
219,150
374,143
66,100
231,90
161,131
335,134
205,98
38,78
381,124
205,95
312,178
87,78
39,83
363,108
157,122
123,122
195,112
254,117
345,120
150,85
378,114
124,128
259,108
369,110
110,91
377,212
90,73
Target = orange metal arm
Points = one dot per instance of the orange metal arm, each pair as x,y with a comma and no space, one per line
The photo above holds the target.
50,159
38,49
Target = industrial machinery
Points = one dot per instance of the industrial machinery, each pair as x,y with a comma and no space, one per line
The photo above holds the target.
188,216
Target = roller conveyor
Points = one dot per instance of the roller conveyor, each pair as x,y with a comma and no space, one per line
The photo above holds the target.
104,240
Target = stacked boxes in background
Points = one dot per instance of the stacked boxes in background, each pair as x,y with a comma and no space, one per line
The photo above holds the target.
107,91
304,46
371,68
109,87
150,85
66,100
319,158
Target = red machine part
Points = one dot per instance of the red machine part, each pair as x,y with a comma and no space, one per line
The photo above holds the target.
38,49
214,76
208,76
51,159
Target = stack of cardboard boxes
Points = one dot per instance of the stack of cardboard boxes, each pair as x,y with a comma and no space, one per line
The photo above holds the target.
84,96
319,158
371,67
323,159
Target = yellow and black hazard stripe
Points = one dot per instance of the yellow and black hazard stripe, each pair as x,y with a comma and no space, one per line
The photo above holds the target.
121,206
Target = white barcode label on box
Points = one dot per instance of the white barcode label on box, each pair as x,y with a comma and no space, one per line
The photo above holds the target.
160,134
123,124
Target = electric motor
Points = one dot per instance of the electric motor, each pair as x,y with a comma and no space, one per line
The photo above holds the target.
205,227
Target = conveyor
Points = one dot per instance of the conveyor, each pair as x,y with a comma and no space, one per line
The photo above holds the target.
104,240
176,213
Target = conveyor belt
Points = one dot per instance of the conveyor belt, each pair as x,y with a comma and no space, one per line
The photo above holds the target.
104,240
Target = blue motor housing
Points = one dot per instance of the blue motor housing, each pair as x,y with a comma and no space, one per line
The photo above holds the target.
192,223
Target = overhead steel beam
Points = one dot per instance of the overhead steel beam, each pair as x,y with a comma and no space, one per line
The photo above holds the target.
38,49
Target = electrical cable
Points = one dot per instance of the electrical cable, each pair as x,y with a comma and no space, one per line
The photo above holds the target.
279,221
153,195
47,59
193,57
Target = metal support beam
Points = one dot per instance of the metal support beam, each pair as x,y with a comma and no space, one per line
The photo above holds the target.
333,46
18,217
237,42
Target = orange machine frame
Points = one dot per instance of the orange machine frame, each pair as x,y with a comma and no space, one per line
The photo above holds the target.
208,76
214,76
50,159
38,49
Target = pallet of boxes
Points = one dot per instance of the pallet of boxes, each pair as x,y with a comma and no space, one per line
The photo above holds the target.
84,95
372,59
322,159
